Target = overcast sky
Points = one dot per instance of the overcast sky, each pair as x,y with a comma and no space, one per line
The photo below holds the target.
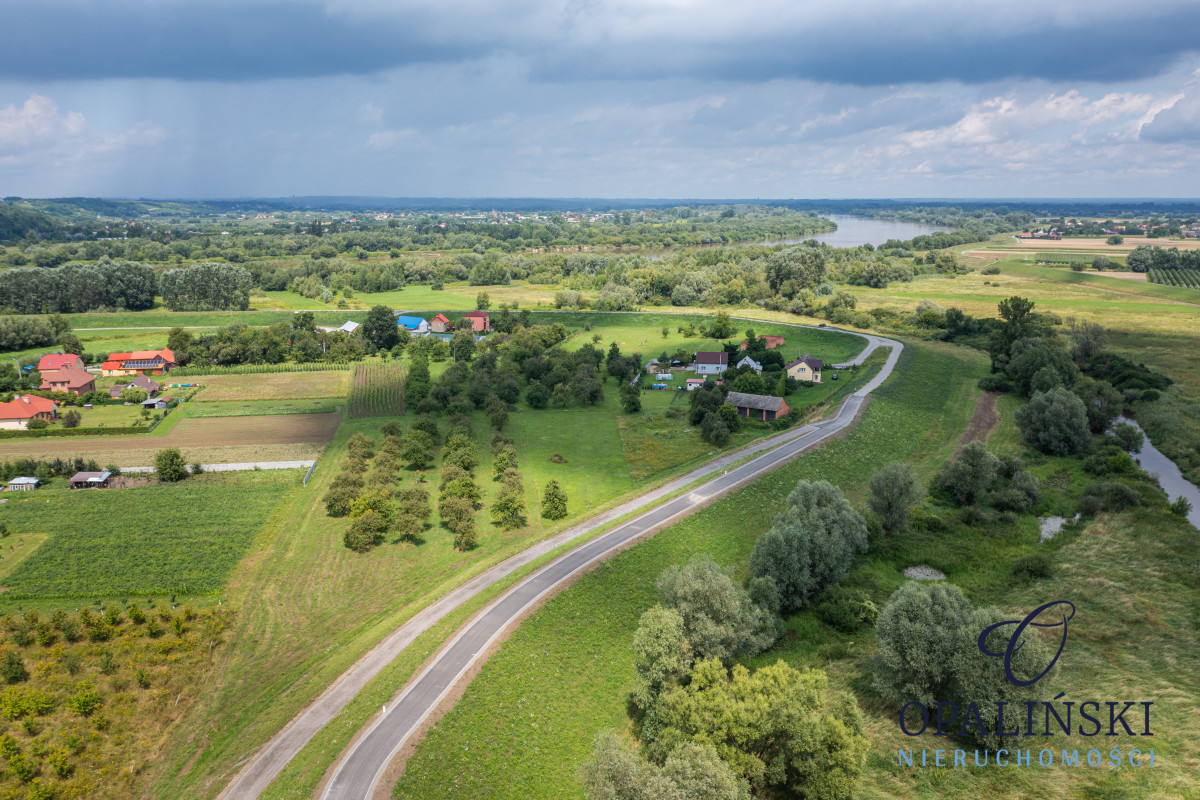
600,98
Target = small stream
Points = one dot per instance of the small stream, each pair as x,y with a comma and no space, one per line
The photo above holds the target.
1169,476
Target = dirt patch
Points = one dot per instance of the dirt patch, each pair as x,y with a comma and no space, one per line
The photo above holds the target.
982,421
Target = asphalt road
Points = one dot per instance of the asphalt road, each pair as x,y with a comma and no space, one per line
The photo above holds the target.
360,770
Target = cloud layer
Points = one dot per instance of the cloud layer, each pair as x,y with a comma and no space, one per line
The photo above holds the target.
665,98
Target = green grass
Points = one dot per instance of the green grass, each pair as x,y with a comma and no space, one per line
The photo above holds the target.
157,539
256,408
642,333
529,718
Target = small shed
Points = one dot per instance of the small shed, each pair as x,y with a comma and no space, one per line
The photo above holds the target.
695,383
759,406
23,484
90,480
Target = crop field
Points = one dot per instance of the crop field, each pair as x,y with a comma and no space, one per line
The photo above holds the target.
377,390
250,438
159,539
259,408
1187,278
516,734
274,386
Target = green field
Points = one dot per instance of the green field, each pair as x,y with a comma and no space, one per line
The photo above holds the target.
158,539
257,408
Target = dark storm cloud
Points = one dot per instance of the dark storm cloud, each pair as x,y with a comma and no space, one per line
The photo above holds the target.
865,43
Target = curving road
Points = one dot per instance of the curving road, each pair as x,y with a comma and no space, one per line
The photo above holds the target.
358,773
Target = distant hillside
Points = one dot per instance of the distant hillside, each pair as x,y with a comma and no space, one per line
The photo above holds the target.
18,223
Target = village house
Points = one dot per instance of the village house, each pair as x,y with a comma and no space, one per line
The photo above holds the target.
68,379
759,406
708,363
16,414
140,382
90,480
55,361
23,484
350,326
769,342
413,325
805,368
747,361
481,321
440,324
139,362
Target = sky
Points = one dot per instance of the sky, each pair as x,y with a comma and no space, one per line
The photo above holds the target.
600,98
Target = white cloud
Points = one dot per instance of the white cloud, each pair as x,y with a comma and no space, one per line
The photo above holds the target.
37,123
386,140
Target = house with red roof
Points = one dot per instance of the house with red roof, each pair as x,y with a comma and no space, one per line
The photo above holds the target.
481,321
440,324
53,361
68,379
139,362
15,415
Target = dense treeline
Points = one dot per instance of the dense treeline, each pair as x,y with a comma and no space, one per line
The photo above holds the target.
74,288
206,287
1144,258
298,342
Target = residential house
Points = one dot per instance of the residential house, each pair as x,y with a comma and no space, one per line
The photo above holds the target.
440,324
53,361
68,379
770,342
90,480
140,382
413,325
481,321
707,363
139,362
15,414
747,361
759,406
23,484
805,368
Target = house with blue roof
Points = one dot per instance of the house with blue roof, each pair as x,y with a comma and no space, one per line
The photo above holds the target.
414,325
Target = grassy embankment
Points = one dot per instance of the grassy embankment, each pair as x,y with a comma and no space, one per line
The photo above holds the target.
528,720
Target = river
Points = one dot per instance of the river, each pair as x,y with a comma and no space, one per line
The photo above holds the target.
853,231
1169,476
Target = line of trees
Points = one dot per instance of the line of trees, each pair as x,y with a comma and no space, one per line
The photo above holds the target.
74,288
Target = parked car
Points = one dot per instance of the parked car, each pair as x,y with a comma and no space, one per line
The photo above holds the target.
822,325
835,376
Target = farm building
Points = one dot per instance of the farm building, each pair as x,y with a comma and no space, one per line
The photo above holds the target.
23,484
53,361
769,342
158,403
90,480
413,324
805,368
481,321
695,383
707,363
139,362
140,382
68,379
440,324
759,406
349,326
15,414
747,361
